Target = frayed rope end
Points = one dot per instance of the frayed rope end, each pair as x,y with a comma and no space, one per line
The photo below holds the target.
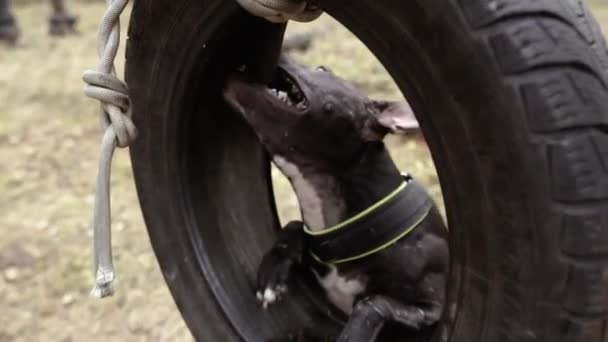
102,291
103,285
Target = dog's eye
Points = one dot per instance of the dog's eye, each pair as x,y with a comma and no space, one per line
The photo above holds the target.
323,68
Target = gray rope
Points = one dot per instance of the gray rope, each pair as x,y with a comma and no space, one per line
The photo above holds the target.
103,85
279,11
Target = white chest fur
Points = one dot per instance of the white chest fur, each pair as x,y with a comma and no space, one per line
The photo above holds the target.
341,291
309,199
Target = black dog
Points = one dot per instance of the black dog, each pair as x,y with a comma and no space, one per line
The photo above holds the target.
384,257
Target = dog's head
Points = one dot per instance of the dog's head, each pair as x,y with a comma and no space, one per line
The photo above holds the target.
311,116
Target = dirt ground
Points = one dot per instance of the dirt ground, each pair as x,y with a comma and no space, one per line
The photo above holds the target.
49,136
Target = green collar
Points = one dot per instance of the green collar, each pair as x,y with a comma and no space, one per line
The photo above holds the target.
374,229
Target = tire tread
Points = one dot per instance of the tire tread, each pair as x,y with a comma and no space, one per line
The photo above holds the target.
554,56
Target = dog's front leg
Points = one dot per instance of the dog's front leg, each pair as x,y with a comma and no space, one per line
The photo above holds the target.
370,314
275,269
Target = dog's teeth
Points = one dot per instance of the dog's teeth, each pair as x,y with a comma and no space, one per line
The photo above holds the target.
282,96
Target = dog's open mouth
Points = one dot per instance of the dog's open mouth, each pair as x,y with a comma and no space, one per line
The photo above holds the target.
286,89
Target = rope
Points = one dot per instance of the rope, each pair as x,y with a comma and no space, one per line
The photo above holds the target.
280,11
103,85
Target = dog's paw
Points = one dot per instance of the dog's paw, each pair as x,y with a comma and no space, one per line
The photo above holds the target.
273,276
270,295
276,266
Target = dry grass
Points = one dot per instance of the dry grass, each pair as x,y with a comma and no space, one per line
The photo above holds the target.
49,145
49,136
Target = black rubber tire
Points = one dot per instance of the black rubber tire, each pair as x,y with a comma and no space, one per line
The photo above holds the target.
512,97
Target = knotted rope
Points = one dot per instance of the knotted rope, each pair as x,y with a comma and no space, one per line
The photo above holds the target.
103,85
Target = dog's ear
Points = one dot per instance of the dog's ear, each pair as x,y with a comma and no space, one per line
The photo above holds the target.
390,117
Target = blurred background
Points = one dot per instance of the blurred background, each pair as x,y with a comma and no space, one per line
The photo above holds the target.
49,145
